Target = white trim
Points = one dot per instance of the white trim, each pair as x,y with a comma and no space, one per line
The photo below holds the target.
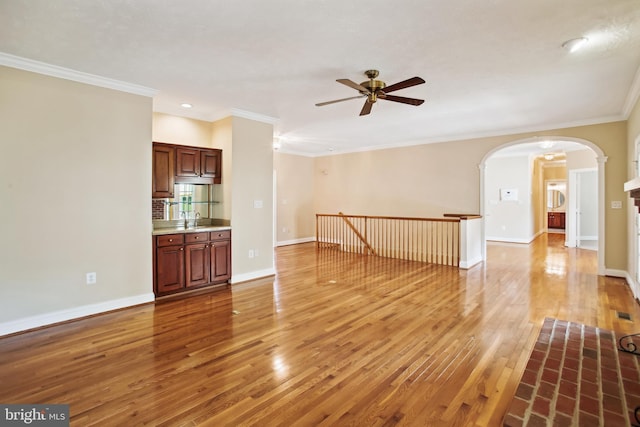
238,278
73,75
72,313
508,240
296,241
235,112
616,273
468,264
632,96
602,159
462,137
633,285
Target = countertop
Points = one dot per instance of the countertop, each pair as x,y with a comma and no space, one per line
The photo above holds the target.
199,229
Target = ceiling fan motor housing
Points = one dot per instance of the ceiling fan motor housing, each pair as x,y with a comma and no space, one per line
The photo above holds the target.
372,85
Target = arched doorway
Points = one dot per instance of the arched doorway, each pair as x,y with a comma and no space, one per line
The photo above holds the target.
540,146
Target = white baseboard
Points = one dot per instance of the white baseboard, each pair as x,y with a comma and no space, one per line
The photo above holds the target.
468,264
237,278
296,241
45,319
509,240
616,273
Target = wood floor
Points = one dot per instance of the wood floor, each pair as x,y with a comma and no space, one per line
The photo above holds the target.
335,339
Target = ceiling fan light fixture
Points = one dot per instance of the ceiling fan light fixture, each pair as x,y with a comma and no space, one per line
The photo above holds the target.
546,144
575,44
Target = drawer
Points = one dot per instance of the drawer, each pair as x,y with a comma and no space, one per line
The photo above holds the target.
197,237
221,235
169,240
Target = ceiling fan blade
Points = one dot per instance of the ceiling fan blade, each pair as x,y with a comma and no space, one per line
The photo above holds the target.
413,81
320,104
354,85
366,109
412,101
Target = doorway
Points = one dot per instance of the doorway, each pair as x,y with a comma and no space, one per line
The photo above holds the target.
582,222
584,154
556,205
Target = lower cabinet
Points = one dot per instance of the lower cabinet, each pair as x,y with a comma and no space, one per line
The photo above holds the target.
190,260
556,220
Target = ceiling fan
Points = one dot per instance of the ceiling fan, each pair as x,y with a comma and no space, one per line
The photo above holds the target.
376,89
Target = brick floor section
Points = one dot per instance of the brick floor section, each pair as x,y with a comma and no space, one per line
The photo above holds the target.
576,376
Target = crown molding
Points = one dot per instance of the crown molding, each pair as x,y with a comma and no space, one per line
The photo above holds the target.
235,112
632,96
73,75
515,132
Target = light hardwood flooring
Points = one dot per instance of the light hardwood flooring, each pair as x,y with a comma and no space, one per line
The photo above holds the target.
334,339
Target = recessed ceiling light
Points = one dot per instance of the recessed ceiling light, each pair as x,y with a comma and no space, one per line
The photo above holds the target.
186,105
549,156
575,44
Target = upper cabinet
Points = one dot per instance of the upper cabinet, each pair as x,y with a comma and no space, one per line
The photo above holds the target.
184,165
198,165
163,171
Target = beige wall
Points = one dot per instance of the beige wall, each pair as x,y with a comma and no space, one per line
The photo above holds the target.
538,196
181,130
432,179
424,181
554,172
222,138
252,181
82,154
581,159
294,193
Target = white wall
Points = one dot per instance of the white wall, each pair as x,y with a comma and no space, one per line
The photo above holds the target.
75,188
508,220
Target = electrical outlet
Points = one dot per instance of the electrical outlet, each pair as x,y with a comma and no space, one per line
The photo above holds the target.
92,278
251,254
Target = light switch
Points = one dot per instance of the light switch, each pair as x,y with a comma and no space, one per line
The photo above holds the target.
616,204
257,204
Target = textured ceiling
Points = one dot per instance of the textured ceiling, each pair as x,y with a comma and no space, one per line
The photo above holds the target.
491,67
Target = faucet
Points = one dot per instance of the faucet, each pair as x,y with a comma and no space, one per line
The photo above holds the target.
184,215
195,221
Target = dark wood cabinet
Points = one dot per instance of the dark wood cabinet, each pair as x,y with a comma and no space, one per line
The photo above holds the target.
220,251
198,166
184,165
163,171
190,260
197,259
210,165
556,220
169,263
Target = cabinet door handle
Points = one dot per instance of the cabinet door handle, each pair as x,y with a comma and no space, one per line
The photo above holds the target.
170,240
196,237
182,249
